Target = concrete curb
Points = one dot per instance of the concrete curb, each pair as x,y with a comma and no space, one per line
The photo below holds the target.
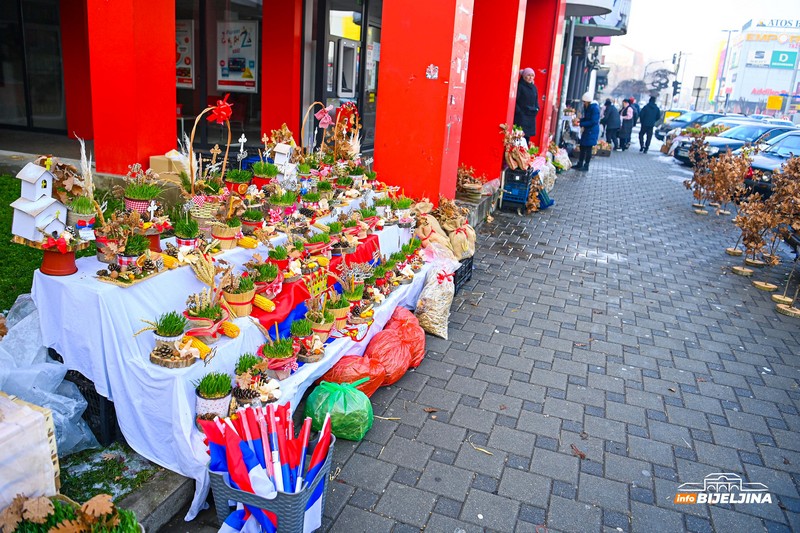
160,499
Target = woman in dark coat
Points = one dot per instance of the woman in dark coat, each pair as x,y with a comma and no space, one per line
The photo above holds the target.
590,131
625,130
527,105
612,123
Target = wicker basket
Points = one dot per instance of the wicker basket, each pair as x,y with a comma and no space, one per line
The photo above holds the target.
340,317
226,235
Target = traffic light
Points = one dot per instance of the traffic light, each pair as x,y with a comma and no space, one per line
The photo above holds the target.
676,88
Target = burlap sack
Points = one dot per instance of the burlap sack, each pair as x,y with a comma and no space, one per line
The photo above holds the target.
427,236
463,242
423,207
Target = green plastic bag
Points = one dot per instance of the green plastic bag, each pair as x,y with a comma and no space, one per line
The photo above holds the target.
350,409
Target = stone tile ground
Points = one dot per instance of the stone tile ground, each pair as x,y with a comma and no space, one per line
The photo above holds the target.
610,324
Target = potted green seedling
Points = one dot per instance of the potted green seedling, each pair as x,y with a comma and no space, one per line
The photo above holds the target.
213,395
81,213
281,357
252,219
279,257
237,181
186,230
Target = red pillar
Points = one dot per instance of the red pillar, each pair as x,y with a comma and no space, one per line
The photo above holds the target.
541,50
418,123
132,70
281,79
75,59
497,29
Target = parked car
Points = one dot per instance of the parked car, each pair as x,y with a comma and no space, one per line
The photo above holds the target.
727,122
671,114
763,164
685,120
741,134
780,122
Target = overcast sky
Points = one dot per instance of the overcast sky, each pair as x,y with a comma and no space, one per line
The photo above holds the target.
660,28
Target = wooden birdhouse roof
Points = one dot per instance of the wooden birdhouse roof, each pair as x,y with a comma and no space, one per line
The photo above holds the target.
282,148
31,173
33,208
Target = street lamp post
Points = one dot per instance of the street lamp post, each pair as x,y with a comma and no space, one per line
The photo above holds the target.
723,78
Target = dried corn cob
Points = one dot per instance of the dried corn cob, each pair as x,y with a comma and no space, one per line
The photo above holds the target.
264,303
202,347
229,329
248,242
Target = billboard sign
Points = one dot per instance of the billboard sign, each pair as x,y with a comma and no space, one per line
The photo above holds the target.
781,59
757,58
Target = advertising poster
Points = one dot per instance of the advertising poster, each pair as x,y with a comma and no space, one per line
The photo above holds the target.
781,59
184,51
237,56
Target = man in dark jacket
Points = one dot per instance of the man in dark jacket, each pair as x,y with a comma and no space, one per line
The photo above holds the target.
648,117
636,110
527,105
590,131
612,122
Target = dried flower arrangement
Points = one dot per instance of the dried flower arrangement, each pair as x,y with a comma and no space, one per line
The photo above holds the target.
701,178
516,155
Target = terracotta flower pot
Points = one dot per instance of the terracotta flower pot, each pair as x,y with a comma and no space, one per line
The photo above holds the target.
54,263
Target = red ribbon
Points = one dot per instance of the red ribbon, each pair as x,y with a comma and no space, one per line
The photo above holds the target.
441,277
462,229
85,223
221,112
61,244
101,240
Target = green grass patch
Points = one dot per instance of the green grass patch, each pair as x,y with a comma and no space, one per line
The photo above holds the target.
116,470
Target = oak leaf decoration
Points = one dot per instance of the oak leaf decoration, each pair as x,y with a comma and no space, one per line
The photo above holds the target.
12,515
37,510
100,505
69,526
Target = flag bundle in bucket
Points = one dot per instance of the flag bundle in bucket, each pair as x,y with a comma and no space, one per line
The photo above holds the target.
257,452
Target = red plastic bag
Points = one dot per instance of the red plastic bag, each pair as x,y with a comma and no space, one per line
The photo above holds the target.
351,368
400,316
388,348
413,337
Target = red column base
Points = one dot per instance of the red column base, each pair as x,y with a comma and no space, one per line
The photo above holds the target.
54,263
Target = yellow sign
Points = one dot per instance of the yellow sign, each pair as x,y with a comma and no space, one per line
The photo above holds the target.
775,102
780,38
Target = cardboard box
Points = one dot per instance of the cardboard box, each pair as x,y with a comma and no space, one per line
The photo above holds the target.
162,164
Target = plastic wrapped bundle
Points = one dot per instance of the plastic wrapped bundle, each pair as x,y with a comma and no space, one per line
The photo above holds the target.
350,409
433,306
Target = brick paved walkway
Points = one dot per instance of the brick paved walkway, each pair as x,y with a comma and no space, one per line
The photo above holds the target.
609,322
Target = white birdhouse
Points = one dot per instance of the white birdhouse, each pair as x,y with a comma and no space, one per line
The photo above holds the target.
36,210
46,214
283,153
36,182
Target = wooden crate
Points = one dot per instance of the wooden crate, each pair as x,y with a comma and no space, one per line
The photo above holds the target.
51,432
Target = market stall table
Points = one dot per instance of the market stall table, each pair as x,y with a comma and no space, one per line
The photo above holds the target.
91,325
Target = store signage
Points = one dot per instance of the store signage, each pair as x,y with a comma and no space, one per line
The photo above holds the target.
774,102
768,92
778,23
184,51
781,59
237,56
780,38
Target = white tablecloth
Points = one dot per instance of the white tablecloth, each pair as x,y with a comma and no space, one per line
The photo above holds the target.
91,324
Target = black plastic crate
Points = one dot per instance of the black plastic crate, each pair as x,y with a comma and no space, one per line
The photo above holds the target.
100,413
516,192
463,274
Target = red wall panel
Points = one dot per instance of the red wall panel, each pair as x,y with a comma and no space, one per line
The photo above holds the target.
132,66
497,32
75,60
542,50
418,124
281,78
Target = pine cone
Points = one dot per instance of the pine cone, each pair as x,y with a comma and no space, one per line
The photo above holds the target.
149,265
113,267
307,212
245,394
171,250
102,273
164,351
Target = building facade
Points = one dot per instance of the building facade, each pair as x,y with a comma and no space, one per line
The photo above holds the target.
762,62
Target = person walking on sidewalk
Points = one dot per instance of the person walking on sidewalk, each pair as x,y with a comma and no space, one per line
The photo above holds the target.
625,130
611,122
648,117
590,131
527,105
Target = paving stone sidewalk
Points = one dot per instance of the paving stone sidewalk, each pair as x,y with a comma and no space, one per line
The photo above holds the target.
608,325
